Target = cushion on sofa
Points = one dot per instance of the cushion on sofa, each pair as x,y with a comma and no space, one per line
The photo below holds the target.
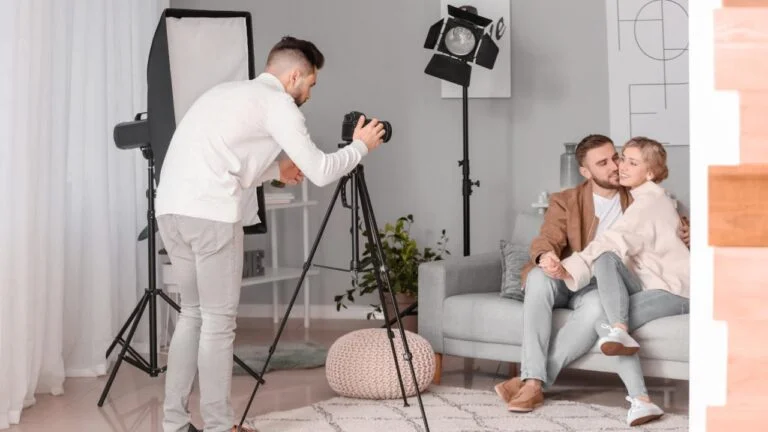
483,317
486,317
514,256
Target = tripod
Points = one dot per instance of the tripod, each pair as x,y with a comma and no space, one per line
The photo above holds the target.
359,192
127,353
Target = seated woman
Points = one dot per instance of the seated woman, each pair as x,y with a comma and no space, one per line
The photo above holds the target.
651,266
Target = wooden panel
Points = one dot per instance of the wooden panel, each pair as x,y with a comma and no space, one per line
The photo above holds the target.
741,283
741,49
735,419
747,364
738,205
754,127
745,3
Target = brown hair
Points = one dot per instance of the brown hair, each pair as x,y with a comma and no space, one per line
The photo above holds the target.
653,154
304,51
588,143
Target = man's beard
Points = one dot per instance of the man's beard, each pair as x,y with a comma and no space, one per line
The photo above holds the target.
606,184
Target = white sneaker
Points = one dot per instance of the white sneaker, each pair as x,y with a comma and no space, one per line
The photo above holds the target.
642,412
618,342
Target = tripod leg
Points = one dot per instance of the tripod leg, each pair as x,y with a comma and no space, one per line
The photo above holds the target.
120,356
379,263
128,322
372,227
307,266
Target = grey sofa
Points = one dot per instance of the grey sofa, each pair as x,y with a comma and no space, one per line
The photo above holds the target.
461,313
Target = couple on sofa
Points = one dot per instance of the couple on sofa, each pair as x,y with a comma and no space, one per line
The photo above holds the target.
613,249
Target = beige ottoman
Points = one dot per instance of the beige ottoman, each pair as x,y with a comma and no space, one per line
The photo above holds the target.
360,364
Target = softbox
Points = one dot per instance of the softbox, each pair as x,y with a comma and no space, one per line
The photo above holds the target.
191,51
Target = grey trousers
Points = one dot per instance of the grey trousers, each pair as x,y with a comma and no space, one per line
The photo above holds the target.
624,301
207,258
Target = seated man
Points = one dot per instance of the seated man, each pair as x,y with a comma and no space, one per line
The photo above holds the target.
574,217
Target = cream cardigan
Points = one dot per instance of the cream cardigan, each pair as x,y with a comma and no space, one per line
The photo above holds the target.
645,238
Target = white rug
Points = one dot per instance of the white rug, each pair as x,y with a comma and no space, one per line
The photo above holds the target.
451,409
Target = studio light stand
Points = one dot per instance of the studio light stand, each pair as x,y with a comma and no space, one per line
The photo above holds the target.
178,71
360,196
128,353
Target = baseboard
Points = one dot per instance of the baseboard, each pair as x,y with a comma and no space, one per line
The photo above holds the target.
315,311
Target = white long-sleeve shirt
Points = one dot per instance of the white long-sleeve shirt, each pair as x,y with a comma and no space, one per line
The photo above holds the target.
645,238
228,141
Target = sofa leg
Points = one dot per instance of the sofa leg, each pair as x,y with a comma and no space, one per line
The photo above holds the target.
438,369
514,370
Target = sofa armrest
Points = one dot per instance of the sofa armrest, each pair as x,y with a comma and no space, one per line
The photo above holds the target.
439,280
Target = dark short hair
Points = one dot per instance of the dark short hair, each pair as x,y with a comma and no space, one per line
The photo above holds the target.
588,143
304,50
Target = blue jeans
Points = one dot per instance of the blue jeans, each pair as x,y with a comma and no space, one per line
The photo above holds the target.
542,358
624,301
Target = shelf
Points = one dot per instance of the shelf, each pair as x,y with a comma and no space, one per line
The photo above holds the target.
270,275
290,205
276,275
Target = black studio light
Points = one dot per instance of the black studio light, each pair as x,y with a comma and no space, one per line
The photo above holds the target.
458,41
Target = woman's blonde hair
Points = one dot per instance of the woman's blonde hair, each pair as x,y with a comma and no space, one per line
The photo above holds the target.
653,154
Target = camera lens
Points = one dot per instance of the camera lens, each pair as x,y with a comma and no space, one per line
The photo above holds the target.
387,131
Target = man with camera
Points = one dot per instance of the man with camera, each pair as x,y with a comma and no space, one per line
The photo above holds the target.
227,143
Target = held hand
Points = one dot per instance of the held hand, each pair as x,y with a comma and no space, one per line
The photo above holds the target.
550,264
290,173
371,134
684,232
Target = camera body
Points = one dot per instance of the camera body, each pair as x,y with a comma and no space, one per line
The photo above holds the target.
350,122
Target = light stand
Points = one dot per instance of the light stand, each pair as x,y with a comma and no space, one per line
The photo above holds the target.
460,40
127,353
360,195
178,71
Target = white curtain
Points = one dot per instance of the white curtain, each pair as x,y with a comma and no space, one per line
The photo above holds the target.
71,269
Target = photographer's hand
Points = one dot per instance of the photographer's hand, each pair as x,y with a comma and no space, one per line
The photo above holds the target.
371,134
290,173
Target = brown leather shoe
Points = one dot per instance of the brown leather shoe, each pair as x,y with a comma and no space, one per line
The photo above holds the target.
509,388
528,398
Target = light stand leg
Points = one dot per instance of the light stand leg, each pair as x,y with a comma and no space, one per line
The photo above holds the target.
379,259
305,269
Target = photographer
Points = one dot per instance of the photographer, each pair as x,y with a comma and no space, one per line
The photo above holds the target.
226,143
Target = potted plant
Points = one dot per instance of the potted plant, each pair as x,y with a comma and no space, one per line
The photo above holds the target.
403,257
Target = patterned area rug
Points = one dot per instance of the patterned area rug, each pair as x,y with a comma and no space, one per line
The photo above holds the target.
288,355
451,409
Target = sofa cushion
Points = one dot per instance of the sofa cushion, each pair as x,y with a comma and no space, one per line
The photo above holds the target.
486,317
514,257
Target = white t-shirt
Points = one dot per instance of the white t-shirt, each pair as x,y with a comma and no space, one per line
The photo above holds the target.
607,210
228,142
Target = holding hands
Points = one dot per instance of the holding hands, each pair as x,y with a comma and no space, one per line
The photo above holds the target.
550,264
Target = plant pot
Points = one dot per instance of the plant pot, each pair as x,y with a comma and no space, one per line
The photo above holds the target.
410,322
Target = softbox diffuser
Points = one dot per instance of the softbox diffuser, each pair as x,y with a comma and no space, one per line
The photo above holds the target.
192,51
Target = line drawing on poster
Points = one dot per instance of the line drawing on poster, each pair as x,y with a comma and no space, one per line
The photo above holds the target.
648,70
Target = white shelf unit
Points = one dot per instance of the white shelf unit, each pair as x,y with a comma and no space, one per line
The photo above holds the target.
275,273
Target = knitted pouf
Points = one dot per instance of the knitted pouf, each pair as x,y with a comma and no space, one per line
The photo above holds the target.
360,364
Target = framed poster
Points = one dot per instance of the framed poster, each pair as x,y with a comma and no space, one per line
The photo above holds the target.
648,70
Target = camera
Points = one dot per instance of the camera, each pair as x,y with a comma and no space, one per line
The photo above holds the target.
350,122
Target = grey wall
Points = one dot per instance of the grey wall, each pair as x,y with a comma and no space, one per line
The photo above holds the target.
375,63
